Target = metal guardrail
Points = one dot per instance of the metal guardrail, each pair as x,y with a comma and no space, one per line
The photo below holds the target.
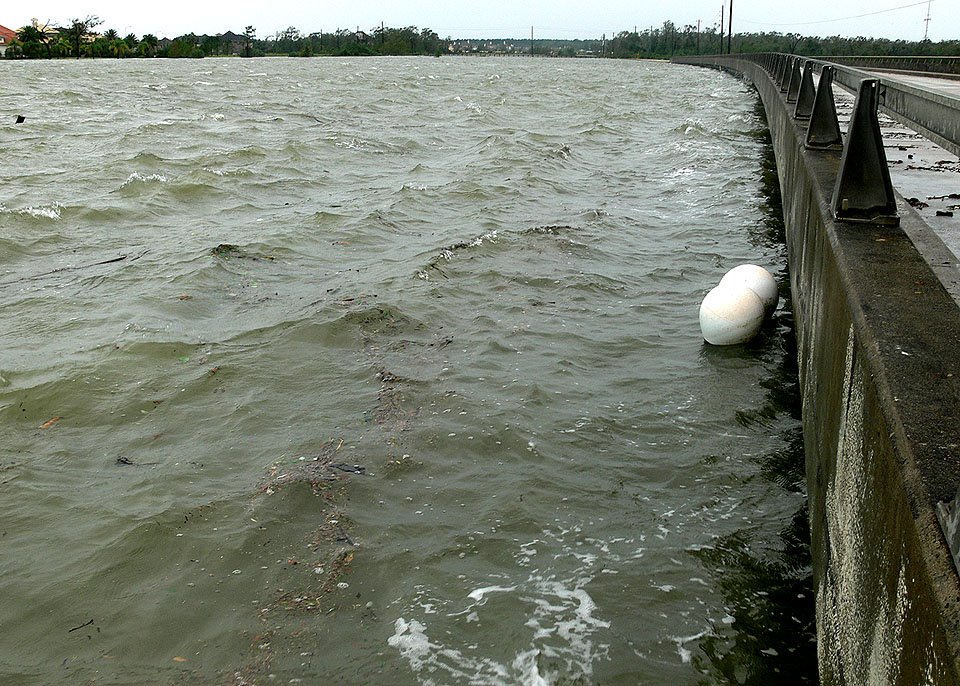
934,115
945,66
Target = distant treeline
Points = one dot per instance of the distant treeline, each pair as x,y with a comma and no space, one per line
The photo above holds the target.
79,39
671,40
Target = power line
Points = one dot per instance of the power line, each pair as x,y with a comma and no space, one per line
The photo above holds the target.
830,21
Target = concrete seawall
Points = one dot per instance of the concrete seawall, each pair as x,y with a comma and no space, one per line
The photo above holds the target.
879,355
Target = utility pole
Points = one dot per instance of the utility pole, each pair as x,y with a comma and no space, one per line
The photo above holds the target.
698,36
926,29
383,35
730,28
722,7
531,41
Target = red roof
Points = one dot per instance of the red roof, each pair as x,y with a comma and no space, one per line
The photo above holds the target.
7,33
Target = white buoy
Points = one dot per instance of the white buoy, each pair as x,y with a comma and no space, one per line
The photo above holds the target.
758,280
730,314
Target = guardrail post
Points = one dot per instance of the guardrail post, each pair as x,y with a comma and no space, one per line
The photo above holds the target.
784,78
768,60
793,89
863,192
806,94
823,132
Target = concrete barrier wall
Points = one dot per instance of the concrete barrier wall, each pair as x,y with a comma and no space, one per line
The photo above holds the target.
879,347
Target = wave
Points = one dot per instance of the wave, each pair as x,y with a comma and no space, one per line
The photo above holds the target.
137,179
549,620
51,212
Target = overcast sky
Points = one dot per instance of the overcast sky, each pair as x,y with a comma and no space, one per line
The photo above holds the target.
902,19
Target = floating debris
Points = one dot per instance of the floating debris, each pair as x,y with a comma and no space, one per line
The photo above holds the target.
226,250
319,471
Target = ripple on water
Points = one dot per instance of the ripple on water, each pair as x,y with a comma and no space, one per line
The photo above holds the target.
416,376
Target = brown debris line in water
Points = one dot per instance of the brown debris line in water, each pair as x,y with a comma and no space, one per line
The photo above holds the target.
312,597
390,401
333,550
318,470
231,250
394,412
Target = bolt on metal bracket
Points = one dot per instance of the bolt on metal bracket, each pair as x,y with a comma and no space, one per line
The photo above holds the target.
823,132
864,192
806,94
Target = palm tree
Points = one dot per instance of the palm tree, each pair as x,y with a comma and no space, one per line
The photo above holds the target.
148,45
34,34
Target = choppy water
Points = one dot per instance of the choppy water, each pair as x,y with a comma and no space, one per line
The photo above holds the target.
389,371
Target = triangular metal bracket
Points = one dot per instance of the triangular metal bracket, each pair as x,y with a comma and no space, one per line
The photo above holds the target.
793,89
775,69
823,133
806,94
863,192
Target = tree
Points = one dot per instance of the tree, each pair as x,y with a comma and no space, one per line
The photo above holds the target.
249,34
78,30
147,47
109,44
33,42
187,45
211,45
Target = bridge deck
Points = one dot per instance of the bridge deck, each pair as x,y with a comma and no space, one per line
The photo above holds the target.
929,82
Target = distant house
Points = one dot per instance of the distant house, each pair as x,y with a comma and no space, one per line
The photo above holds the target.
6,37
235,41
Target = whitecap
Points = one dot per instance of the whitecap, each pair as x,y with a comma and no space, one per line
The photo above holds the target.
138,178
37,212
560,617
681,641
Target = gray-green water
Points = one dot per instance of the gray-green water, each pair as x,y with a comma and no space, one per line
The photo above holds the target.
389,371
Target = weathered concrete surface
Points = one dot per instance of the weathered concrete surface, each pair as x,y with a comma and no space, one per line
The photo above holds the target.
879,353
